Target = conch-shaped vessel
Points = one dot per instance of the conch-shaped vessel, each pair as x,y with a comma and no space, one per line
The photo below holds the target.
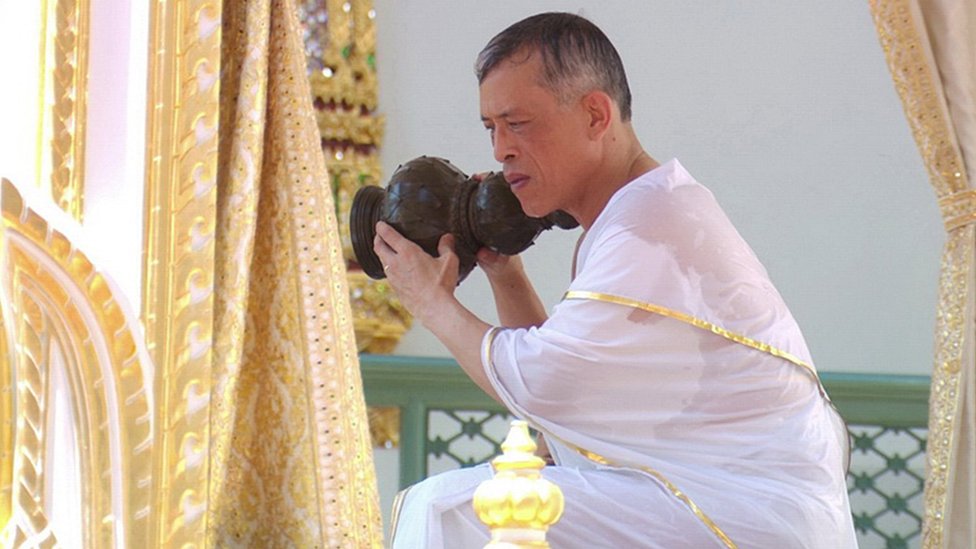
429,197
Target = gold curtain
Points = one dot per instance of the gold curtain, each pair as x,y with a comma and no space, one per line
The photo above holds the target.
291,460
930,47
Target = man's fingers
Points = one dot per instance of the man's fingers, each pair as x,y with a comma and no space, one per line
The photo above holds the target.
481,176
487,254
391,236
445,244
381,245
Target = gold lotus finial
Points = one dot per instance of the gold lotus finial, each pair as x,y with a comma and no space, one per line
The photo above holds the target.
517,504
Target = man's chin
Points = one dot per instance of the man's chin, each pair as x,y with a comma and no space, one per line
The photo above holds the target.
531,211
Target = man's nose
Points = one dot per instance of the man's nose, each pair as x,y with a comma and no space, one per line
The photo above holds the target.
503,145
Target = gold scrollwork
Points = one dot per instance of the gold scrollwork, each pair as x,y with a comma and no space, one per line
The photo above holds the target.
63,315
27,521
180,216
70,75
379,317
342,125
384,425
6,416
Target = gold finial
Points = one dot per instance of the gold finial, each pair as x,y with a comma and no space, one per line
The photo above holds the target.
518,505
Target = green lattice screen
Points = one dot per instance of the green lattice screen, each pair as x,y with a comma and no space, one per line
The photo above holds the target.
885,481
463,438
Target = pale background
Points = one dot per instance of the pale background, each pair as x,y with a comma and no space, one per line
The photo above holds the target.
785,110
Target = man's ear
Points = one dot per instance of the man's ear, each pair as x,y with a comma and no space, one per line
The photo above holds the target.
599,107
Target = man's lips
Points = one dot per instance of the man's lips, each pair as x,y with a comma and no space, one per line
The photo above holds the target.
516,180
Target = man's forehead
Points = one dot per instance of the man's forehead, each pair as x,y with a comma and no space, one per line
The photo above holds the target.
508,89
496,103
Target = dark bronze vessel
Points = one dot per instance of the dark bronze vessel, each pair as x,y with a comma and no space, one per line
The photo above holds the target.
429,197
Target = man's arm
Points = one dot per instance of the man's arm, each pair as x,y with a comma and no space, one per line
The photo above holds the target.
516,300
425,286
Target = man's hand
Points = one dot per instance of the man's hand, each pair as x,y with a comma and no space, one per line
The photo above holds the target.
499,267
425,285
422,283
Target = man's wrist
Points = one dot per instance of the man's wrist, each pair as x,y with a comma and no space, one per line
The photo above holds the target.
439,310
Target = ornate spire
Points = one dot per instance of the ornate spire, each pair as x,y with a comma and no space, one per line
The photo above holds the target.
518,505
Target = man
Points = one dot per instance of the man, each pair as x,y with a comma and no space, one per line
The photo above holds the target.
672,385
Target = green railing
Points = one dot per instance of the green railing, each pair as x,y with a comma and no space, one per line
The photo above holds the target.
447,422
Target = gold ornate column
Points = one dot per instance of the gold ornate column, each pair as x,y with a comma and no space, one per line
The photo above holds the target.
177,301
62,91
68,113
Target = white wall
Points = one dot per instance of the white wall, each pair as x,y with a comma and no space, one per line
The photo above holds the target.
20,91
785,110
115,158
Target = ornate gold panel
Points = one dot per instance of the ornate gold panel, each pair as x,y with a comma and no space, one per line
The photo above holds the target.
6,417
63,95
61,315
68,114
177,302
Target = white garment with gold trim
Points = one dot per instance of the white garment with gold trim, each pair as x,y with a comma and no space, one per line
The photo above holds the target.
674,359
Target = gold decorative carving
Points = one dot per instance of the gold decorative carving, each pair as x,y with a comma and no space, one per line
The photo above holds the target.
384,426
28,521
911,64
62,313
6,415
70,76
177,301
379,318
341,45
517,504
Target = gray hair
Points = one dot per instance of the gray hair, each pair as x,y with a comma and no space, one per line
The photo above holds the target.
577,57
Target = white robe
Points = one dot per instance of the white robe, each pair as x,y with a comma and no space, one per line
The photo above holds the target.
675,391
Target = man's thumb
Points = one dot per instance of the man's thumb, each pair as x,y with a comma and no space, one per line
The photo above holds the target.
446,244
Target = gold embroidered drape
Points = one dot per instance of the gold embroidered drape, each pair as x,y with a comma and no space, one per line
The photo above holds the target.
930,47
291,460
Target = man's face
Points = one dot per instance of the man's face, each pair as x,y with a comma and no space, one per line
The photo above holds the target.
541,143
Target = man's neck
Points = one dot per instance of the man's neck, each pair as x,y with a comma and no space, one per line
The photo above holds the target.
621,166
